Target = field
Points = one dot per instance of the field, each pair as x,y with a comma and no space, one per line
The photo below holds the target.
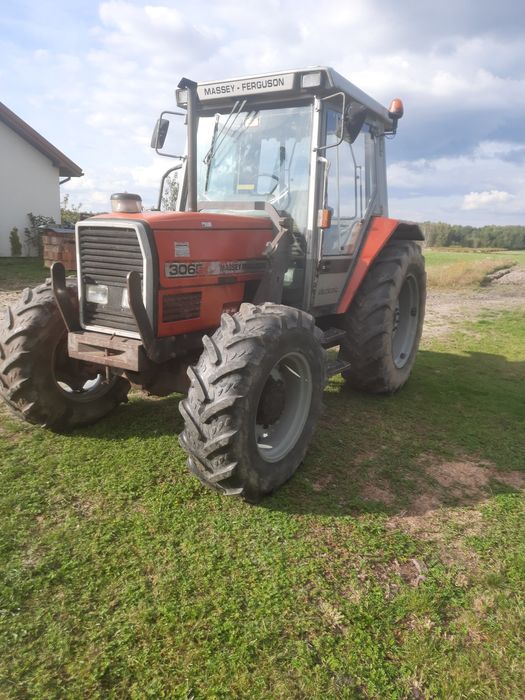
391,566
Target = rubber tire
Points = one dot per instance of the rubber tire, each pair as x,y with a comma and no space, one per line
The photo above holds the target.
31,332
226,383
370,320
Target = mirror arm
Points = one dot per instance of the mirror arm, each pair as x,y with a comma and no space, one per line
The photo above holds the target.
156,146
335,145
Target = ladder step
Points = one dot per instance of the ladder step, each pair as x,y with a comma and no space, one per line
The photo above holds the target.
336,367
332,337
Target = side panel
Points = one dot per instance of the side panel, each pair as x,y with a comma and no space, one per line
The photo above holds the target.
380,231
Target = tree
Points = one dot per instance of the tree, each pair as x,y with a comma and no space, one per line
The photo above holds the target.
170,193
70,213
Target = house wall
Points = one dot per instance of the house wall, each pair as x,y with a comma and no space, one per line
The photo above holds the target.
28,183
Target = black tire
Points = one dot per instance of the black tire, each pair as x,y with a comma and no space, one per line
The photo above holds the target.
38,381
254,400
384,323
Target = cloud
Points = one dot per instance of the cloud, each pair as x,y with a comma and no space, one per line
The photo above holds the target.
459,67
486,200
441,189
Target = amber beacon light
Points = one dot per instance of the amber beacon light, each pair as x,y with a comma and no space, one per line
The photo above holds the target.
396,111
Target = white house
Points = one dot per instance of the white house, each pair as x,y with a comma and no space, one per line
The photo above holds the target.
31,171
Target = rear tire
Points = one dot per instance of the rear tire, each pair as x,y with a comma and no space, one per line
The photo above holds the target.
38,380
254,400
384,323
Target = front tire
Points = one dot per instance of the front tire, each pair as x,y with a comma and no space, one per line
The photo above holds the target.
38,380
384,323
254,400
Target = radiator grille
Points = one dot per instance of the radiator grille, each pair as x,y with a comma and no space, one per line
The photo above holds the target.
180,307
106,257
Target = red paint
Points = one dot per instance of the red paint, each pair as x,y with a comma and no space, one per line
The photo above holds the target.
209,238
379,233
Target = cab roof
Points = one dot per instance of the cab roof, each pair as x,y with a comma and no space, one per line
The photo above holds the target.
312,81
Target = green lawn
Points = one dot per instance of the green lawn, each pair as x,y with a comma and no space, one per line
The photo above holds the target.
18,272
391,566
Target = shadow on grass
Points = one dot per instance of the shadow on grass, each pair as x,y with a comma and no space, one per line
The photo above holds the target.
452,437
143,416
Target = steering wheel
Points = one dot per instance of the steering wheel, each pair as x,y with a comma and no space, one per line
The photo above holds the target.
272,177
281,199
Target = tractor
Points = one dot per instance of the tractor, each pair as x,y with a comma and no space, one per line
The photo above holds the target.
279,249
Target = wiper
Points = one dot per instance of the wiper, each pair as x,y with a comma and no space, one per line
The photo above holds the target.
208,157
215,143
219,136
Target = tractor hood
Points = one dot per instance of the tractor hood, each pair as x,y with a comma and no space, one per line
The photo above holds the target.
196,221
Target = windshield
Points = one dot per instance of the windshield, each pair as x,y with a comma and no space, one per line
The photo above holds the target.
261,155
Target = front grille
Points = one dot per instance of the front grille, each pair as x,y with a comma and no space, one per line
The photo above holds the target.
106,257
180,307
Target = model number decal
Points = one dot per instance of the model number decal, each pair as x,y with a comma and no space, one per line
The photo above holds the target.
174,269
215,268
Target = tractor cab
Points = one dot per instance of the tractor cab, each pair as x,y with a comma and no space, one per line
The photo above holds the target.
308,144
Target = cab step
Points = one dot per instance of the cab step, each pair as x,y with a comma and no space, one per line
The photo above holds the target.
336,367
332,337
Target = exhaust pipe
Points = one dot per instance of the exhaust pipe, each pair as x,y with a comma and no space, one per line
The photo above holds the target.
191,167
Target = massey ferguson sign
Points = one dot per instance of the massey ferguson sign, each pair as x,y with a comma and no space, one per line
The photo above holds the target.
248,86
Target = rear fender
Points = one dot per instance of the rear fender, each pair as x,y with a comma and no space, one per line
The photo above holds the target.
380,231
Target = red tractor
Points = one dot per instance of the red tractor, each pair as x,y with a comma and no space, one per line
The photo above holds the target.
280,248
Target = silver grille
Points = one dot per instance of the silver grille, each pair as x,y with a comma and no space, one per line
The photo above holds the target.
107,255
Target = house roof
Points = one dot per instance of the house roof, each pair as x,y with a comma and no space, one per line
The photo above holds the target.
65,166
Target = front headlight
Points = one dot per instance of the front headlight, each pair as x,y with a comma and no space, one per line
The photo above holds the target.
97,293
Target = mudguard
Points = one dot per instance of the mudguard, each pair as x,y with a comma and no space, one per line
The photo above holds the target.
381,230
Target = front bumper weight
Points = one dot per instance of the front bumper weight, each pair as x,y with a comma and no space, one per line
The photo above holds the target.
107,350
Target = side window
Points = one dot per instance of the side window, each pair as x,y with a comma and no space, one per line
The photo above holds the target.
346,184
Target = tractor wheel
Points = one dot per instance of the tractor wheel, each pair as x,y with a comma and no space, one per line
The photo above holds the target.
384,323
254,400
38,380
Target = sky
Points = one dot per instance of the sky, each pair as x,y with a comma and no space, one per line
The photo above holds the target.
92,77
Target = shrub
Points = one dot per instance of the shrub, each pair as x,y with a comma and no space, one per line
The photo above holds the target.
32,233
14,242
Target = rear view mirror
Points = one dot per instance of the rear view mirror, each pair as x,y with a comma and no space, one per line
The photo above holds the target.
159,133
355,118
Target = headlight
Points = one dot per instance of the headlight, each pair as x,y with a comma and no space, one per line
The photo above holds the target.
311,80
97,293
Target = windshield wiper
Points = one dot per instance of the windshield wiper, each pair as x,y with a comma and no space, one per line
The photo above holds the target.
208,157
219,136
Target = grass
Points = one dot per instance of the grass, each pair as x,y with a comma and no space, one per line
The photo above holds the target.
16,273
451,269
391,566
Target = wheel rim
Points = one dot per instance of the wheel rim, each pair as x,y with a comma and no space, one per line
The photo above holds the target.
406,321
283,408
75,379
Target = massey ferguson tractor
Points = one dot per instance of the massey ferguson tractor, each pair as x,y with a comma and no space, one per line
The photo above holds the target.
280,248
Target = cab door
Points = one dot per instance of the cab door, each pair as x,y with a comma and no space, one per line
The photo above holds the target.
347,183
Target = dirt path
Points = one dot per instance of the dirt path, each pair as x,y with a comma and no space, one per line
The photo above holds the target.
448,309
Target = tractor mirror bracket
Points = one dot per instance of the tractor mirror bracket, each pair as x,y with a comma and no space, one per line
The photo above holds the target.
342,132
160,132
